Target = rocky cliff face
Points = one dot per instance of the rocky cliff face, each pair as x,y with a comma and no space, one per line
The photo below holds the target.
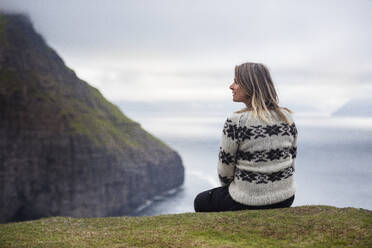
64,149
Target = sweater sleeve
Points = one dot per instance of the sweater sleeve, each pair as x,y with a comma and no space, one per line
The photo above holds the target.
294,145
227,152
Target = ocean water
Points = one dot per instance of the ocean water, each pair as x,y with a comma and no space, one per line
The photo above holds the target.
333,165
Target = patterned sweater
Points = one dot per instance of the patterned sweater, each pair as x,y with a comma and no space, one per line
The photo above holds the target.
257,160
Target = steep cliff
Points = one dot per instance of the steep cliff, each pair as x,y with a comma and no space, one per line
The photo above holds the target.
64,149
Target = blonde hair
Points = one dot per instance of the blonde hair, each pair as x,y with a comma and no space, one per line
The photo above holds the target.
256,80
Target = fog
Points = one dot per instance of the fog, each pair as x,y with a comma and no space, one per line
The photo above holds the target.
185,51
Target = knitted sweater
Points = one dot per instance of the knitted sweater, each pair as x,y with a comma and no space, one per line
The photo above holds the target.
256,159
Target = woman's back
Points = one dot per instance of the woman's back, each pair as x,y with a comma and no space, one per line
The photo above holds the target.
257,158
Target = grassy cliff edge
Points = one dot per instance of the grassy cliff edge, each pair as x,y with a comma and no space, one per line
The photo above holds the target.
303,226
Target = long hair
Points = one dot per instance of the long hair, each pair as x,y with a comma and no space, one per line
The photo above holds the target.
256,80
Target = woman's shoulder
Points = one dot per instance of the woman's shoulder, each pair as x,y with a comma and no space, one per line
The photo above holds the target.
237,115
246,117
239,118
288,113
285,110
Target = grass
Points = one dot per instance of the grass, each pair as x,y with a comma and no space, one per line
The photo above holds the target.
2,26
87,113
304,226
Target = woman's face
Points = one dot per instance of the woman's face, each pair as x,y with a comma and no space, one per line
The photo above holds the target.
239,94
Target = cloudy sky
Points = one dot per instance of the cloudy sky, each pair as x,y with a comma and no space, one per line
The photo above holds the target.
180,55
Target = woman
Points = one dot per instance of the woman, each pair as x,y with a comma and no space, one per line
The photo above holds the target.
257,151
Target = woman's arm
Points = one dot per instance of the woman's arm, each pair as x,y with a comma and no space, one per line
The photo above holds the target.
227,151
294,144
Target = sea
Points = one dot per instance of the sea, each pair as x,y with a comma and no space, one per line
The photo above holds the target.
333,164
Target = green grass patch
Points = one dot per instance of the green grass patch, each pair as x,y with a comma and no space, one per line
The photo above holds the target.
305,226
79,105
2,27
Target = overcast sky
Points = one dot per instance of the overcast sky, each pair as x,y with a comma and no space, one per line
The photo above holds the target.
319,52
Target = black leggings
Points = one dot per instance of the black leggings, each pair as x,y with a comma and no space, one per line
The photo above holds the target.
218,199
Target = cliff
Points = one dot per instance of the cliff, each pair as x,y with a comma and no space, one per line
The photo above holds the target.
64,149
304,226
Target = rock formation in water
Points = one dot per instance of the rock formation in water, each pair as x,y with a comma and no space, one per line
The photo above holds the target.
64,149
359,107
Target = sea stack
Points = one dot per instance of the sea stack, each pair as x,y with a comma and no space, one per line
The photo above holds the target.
64,149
